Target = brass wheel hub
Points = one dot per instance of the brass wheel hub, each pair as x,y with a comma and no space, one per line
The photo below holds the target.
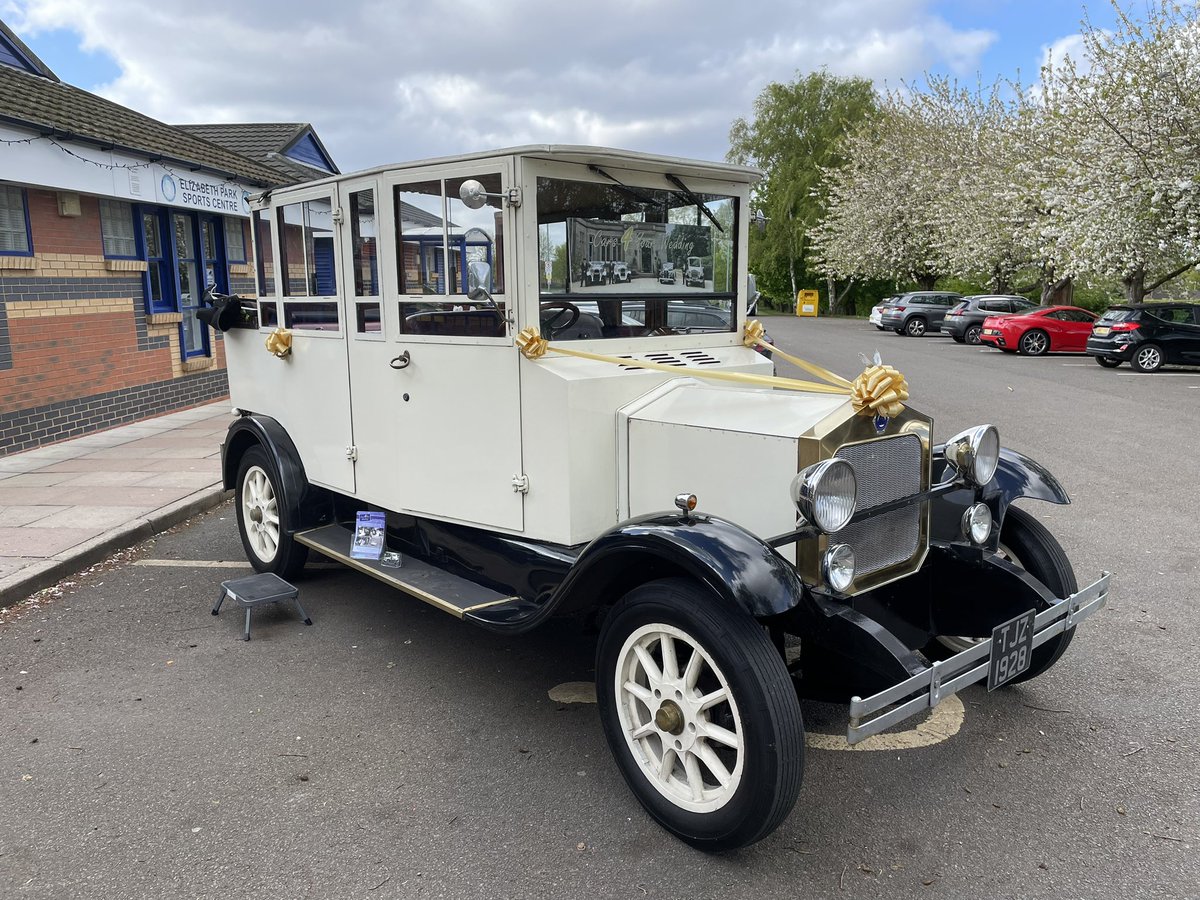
669,717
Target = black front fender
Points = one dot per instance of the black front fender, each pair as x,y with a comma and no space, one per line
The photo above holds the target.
733,563
1017,476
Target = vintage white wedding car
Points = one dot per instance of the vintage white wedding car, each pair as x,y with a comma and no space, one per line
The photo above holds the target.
423,344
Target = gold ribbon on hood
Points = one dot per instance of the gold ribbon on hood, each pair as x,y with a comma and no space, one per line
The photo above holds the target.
879,390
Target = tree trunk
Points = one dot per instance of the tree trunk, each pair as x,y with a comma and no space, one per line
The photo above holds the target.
925,281
792,275
1135,285
1057,293
835,298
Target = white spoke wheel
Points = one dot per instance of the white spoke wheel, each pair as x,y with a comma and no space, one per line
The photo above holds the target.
262,518
1026,542
700,714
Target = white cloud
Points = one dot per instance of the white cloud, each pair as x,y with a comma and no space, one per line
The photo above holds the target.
387,81
1071,46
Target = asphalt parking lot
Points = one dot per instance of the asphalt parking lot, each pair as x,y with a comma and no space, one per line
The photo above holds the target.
391,751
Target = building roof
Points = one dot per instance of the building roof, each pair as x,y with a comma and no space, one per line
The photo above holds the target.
14,51
71,114
273,144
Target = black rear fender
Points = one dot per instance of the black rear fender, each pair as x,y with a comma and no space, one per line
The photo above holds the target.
306,505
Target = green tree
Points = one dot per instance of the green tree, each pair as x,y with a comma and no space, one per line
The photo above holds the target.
797,132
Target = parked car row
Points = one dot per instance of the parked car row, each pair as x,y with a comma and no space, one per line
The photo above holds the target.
1146,335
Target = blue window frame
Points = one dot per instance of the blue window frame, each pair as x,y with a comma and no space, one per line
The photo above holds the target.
189,282
16,239
159,280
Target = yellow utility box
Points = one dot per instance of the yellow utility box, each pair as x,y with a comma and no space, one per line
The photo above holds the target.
806,303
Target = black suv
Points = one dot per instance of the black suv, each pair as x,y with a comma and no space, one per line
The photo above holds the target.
1148,335
965,321
918,312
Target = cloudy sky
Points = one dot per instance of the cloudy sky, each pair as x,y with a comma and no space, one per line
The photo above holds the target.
390,81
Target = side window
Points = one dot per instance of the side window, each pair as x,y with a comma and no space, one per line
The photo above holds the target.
443,248
160,278
365,250
1020,306
1000,306
117,229
14,222
235,241
306,254
264,268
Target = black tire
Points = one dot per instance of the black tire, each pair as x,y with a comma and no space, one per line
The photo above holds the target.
916,327
1034,342
958,340
1107,362
972,334
1029,544
763,714
899,331
263,519
881,327
1147,358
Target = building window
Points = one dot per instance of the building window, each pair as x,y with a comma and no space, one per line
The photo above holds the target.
117,228
235,241
14,222
160,276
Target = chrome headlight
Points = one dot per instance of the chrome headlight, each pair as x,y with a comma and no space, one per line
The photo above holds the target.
839,567
825,494
977,523
975,453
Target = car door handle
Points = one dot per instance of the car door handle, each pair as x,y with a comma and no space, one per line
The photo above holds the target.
401,361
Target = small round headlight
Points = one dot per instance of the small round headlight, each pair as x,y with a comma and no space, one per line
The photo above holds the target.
839,567
825,494
975,453
977,523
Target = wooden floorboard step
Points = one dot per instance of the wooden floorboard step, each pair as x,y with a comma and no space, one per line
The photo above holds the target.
435,586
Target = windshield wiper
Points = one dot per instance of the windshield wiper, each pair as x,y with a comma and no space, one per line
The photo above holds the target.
687,192
625,189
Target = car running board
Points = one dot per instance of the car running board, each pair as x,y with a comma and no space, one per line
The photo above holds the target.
460,597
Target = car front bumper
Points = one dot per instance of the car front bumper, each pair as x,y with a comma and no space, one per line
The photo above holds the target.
927,688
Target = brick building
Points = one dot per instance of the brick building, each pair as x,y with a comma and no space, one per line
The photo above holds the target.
112,225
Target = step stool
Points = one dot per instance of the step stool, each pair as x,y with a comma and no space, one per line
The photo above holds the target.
256,590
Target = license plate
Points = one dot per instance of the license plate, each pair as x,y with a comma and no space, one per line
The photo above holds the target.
1104,329
1012,649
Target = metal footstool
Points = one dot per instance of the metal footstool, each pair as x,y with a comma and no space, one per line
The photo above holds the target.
256,590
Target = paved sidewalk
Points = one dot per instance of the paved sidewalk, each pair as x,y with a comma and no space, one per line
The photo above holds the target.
68,505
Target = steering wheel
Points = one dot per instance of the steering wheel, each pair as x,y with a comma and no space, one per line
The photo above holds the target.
564,315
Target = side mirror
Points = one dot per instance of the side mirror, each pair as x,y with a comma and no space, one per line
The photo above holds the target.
752,296
472,194
479,280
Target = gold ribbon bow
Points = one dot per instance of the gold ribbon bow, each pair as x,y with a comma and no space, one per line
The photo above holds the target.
879,390
754,335
279,342
532,344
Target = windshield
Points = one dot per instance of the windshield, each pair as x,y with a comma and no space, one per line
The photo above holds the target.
636,261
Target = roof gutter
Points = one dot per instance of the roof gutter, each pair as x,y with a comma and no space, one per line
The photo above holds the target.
51,132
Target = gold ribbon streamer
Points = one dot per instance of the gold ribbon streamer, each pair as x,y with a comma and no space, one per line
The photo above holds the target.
279,342
880,389
534,346
755,335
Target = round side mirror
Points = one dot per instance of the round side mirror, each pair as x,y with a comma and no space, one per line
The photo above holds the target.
472,194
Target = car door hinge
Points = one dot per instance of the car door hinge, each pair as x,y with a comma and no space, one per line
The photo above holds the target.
513,196
520,484
352,453
336,215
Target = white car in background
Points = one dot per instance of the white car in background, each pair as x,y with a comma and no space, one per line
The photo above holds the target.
877,312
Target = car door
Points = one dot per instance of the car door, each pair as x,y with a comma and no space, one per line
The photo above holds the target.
436,392
1190,337
1071,330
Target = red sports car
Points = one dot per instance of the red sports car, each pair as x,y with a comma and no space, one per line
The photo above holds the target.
1057,329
